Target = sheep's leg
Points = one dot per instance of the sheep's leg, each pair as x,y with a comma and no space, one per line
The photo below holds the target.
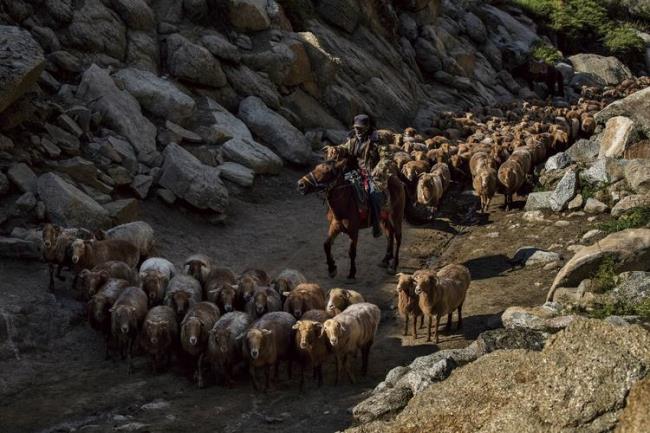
406,324
429,333
251,373
352,253
348,368
289,365
302,376
460,317
129,354
422,321
107,340
331,236
338,368
436,331
58,273
51,269
365,356
448,326
320,375
398,244
389,251
199,371
415,326
267,376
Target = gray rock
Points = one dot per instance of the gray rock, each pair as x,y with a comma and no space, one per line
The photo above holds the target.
237,173
183,134
275,130
475,28
166,196
196,183
120,176
632,287
558,161
603,170
66,122
193,63
25,203
15,248
310,112
605,70
564,191
616,137
533,216
123,211
156,95
576,203
126,153
21,65
408,27
135,13
635,106
343,14
120,111
249,15
566,70
538,200
51,149
253,155
584,150
216,125
417,380
67,142
509,339
382,404
83,171
594,206
220,47
23,177
531,256
141,185
249,83
68,206
143,51
630,202
637,175
536,319
4,184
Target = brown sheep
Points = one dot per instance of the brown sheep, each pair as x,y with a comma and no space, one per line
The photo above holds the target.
225,343
268,341
263,301
57,248
430,190
303,298
195,328
485,185
249,280
155,274
311,345
524,158
340,299
199,266
353,329
412,169
401,158
88,254
441,293
139,233
90,281
99,306
407,302
127,315
511,177
183,292
442,169
160,336
588,125
478,160
228,298
287,280
218,279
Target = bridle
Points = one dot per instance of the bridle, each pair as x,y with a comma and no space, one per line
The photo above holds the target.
311,180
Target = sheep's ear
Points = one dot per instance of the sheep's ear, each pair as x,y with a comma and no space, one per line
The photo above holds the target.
296,326
343,328
319,326
132,309
104,274
110,310
346,294
266,332
421,174
286,294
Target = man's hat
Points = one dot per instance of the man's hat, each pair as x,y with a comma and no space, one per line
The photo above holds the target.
361,121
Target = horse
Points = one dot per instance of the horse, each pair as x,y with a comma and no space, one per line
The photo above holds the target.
541,72
343,213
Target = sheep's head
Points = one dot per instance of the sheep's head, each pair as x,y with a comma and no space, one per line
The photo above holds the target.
156,331
255,339
220,339
247,286
227,298
196,269
339,300
307,332
182,301
405,284
153,284
121,318
425,282
50,233
294,304
191,328
78,250
333,330
259,300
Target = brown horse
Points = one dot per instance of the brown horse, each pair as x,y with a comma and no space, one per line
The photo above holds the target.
344,216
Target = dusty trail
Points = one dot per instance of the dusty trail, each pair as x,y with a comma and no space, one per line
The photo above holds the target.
271,228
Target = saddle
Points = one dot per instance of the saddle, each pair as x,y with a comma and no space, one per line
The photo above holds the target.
362,198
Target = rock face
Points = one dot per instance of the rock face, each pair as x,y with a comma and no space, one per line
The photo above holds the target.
68,206
193,63
21,65
564,191
196,183
253,155
249,15
275,130
603,70
617,135
630,202
636,107
557,161
636,416
538,200
630,249
120,111
158,96
537,390
637,175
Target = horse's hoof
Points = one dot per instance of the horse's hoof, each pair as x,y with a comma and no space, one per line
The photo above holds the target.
383,264
391,270
332,273
350,280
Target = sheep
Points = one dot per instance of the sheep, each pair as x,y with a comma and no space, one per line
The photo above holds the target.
412,169
407,302
249,280
268,341
199,266
311,344
127,314
441,293
353,329
401,158
485,184
263,301
155,274
195,327
218,279
287,280
340,299
511,177
228,298
91,280
139,233
88,254
225,343
57,251
99,306
524,158
442,169
303,298
478,160
160,336
430,190
183,292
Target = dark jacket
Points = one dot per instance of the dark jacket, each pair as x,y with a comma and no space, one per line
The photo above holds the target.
365,151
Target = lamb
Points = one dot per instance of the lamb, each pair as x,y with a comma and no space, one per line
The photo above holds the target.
264,300
139,233
88,254
160,336
485,185
353,329
225,343
441,293
340,299
250,279
199,266
407,302
183,292
57,251
155,274
99,306
227,298
218,279
511,177
287,280
412,169
127,315
195,327
303,298
268,341
91,280
311,344
430,190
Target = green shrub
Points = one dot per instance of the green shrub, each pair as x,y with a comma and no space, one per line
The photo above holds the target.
618,308
540,8
546,53
635,218
604,279
578,18
623,41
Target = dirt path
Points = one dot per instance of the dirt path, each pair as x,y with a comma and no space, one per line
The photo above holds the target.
70,385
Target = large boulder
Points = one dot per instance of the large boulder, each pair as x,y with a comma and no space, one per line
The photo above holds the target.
21,65
23,177
142,51
635,106
583,150
636,415
630,202
120,111
221,47
341,13
135,13
618,133
253,155
637,175
237,173
275,130
249,83
68,206
249,15
216,125
310,112
604,70
564,191
538,200
156,95
193,181
193,63
629,248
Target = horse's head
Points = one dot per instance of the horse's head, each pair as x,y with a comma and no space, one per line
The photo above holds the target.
322,176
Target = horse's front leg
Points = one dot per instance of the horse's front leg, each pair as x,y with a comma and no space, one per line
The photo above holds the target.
352,252
331,235
389,250
398,243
